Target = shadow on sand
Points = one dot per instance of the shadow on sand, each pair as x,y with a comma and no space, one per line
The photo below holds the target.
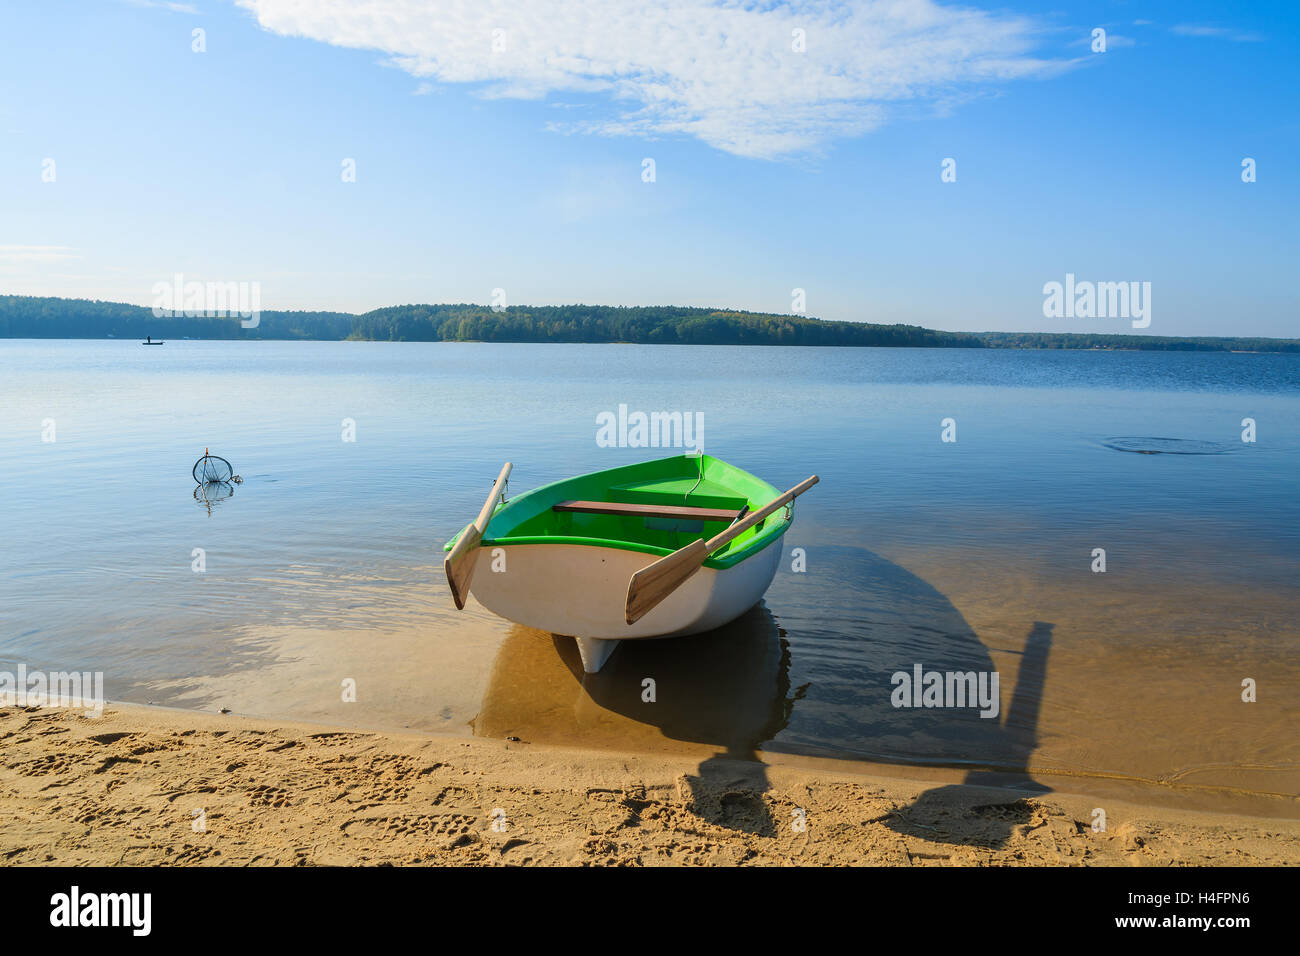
925,818
817,683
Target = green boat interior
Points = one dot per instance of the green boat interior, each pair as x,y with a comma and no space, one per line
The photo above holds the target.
655,507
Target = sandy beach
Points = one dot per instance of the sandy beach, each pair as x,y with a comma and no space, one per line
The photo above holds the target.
149,786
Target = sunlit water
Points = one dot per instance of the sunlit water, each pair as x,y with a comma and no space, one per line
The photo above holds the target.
978,554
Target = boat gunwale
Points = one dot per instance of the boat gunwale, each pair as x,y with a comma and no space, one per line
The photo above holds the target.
720,563
770,533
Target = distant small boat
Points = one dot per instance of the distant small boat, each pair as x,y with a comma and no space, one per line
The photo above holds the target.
149,341
664,548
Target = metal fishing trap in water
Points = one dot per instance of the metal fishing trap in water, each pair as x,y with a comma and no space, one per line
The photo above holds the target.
214,479
213,468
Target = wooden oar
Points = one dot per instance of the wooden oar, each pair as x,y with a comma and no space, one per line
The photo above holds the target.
655,582
461,560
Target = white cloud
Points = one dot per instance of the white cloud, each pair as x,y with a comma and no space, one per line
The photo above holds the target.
165,5
1113,40
719,70
37,253
1219,33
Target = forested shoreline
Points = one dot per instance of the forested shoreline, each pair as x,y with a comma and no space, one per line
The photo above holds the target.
39,317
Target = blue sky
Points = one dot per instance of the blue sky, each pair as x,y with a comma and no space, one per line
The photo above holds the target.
520,168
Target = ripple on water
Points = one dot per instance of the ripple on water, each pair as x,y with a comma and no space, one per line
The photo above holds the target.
1171,446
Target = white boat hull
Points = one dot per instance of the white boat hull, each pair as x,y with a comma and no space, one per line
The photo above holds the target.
581,591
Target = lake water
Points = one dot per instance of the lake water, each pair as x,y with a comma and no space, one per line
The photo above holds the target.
325,564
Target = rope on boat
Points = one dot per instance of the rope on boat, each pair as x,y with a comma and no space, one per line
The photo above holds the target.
687,499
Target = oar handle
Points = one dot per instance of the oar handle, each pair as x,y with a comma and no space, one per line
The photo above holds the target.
490,505
754,517
459,563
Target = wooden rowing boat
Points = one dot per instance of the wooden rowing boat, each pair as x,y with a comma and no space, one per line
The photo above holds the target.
663,548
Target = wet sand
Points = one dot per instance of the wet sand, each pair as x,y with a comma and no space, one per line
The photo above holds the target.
147,785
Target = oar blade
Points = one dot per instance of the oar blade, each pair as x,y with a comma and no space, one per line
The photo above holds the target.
460,563
653,583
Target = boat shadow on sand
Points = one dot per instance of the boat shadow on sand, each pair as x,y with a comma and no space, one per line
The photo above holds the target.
817,682
721,694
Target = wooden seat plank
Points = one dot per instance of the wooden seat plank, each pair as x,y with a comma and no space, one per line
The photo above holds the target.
646,511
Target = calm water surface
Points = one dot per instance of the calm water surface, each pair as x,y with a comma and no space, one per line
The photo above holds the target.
325,564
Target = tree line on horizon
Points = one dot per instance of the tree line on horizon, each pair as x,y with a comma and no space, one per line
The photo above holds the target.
39,317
